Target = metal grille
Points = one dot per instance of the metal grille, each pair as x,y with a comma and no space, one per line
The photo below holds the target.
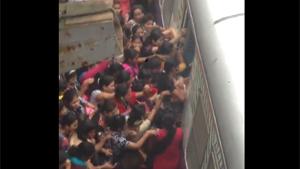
203,146
167,10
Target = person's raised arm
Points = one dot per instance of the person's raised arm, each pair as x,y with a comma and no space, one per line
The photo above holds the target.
106,165
157,105
90,165
139,144
146,90
100,144
180,94
85,85
152,98
143,59
105,96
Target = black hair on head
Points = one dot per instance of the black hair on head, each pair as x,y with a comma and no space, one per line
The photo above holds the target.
68,119
114,68
69,96
121,90
164,83
147,17
84,151
153,63
62,84
144,74
155,34
116,122
108,105
70,74
122,77
129,54
130,159
170,65
100,80
134,37
85,127
135,28
135,7
166,48
138,85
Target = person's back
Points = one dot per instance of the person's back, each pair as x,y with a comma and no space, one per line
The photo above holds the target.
170,158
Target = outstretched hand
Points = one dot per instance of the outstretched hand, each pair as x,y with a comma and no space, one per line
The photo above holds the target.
165,93
152,132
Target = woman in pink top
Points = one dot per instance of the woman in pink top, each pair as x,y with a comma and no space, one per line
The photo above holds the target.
130,63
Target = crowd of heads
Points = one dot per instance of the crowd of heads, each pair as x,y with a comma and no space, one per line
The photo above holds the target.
106,119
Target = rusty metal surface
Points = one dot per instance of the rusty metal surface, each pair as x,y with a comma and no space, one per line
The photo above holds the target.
88,37
84,7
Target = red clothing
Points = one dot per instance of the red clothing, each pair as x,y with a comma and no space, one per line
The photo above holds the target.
171,157
125,7
154,90
100,67
133,71
132,100
122,108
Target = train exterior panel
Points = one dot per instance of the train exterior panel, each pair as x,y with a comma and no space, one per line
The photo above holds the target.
214,112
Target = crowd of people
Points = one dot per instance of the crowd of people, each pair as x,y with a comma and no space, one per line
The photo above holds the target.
127,114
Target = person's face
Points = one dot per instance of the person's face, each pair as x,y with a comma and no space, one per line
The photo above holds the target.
110,88
75,103
138,15
139,32
74,126
158,42
137,44
117,8
92,134
72,81
148,25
